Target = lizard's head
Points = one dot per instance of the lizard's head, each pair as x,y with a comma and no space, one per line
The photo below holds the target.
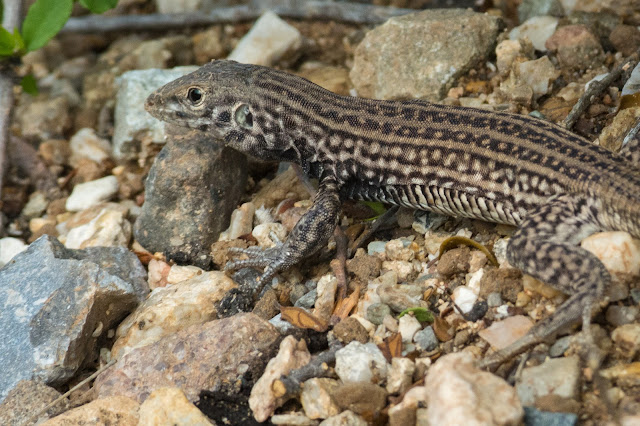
218,98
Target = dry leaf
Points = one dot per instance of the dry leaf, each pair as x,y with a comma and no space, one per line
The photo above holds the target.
344,306
300,318
391,347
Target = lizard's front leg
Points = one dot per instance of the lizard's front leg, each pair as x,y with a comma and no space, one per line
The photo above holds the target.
310,234
546,247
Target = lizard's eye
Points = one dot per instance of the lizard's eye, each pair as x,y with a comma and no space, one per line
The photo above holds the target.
243,116
195,95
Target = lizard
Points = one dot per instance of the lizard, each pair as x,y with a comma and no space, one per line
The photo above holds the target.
554,185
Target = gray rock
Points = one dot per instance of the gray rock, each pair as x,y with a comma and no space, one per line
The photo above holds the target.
426,339
494,299
132,124
54,301
559,347
308,300
530,8
192,188
421,55
556,376
535,417
620,315
377,311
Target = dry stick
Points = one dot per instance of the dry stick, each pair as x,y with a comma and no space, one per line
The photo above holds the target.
596,88
66,394
10,20
289,386
342,12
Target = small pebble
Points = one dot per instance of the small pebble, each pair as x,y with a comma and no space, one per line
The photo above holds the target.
535,417
478,311
377,311
408,326
620,315
85,195
559,347
426,339
307,300
494,299
464,298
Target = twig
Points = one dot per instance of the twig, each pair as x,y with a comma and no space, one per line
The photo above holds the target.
290,385
66,394
354,13
10,20
596,88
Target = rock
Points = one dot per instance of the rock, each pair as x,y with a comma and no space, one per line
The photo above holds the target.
26,399
334,79
169,406
613,135
627,340
560,346
459,393
361,398
55,152
358,362
86,144
269,40
36,205
376,312
619,315
407,327
109,228
345,418
508,50
576,47
398,250
539,75
426,339
327,287
557,376
96,286
619,251
85,195
349,330
530,8
389,64
284,185
537,29
404,270
209,45
625,39
114,410
293,419
401,296
133,126
269,234
218,356
454,261
464,298
507,281
502,333
400,375
180,218
162,53
494,299
241,222
170,309
292,354
317,400
9,248
40,119
535,417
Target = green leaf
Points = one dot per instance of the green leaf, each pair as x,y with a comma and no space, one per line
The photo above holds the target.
44,20
29,84
421,314
99,6
1,10
18,39
7,43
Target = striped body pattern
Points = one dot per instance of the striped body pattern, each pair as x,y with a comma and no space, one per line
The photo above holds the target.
500,167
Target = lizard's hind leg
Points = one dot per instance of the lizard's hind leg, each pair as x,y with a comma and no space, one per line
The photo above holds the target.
546,247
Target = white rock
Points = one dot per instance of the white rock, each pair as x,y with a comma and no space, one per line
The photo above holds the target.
170,406
502,333
269,234
172,308
183,6
475,278
400,375
465,298
415,397
346,418
132,124
85,195
404,270
408,325
292,419
396,250
359,362
86,144
36,205
292,354
269,39
316,398
537,29
556,376
619,251
461,394
108,229
506,52
539,75
241,222
9,247
326,294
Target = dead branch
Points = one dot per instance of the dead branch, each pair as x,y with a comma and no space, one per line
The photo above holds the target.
354,13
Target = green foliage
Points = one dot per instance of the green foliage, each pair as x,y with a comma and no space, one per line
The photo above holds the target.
421,314
99,6
29,84
44,20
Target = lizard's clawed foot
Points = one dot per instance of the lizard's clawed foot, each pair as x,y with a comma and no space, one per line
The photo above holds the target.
272,260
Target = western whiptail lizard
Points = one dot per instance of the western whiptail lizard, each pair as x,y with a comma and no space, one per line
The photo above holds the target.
555,186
